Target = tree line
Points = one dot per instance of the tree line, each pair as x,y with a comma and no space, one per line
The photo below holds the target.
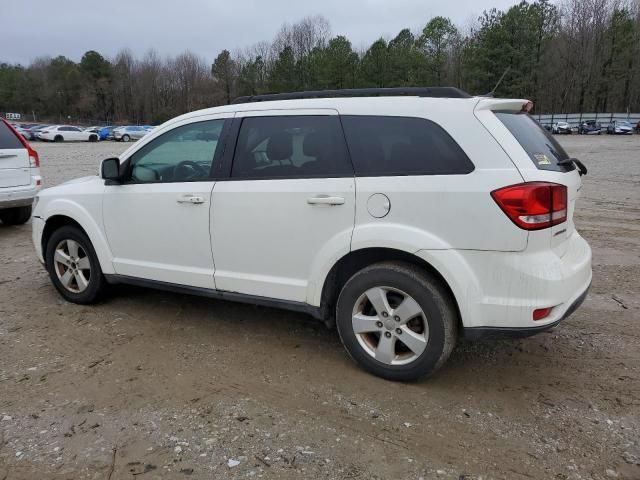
568,56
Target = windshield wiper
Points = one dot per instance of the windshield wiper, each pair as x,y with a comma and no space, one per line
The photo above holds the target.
582,170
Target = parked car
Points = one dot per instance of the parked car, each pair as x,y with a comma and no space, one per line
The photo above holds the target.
33,130
95,130
619,127
106,133
126,134
590,127
21,131
410,219
638,127
561,128
20,178
66,133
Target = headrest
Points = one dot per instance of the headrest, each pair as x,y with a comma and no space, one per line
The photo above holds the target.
315,144
280,146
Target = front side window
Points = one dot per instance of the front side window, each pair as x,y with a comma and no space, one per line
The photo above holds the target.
290,147
396,146
184,154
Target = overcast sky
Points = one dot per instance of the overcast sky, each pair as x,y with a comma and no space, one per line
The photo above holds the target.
36,28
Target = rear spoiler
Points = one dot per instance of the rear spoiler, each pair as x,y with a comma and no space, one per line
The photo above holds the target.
512,104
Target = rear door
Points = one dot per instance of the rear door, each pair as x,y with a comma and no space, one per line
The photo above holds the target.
14,159
288,206
536,154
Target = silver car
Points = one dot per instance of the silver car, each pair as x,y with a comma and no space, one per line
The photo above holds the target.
126,134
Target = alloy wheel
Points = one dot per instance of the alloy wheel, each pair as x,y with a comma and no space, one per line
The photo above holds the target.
72,266
390,325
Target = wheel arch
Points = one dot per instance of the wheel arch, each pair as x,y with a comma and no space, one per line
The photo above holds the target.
356,260
57,220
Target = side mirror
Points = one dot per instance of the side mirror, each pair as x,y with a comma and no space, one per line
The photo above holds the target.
110,169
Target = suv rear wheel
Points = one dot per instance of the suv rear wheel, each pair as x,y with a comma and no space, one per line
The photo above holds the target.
73,266
15,216
396,321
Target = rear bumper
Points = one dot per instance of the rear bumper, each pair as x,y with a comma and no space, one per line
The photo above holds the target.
477,333
19,196
499,291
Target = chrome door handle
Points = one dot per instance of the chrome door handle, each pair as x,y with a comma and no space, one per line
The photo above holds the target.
325,200
187,198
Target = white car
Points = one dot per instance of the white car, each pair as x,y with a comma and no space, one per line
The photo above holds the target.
410,218
561,128
66,133
20,178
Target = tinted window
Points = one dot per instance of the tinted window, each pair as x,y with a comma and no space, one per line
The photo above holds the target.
542,148
402,146
290,147
8,139
184,154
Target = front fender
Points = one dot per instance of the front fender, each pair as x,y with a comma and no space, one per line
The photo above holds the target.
86,217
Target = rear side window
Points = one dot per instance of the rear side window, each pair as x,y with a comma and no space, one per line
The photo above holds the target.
543,150
8,139
290,147
387,146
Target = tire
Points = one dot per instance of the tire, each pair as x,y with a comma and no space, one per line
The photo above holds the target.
58,138
93,138
126,138
15,216
433,330
75,291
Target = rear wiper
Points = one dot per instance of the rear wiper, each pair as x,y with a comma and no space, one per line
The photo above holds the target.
582,170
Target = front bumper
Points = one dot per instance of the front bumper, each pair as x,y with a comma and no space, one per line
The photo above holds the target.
37,227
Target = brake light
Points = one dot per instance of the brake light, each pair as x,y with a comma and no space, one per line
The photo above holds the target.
527,107
34,159
533,205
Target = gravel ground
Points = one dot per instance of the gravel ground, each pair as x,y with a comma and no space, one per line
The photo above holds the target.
171,386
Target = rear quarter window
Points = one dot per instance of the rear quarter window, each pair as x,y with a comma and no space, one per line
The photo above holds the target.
8,139
395,146
544,151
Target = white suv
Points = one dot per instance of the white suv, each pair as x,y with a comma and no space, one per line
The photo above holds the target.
409,217
20,178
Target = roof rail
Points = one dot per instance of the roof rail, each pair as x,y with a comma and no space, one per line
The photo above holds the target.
436,92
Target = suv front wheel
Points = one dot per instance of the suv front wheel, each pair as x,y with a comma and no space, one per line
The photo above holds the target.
73,266
396,321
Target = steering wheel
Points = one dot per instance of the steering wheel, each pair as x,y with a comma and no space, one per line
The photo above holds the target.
188,169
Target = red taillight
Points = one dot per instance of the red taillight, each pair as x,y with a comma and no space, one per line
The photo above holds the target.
533,205
541,313
34,159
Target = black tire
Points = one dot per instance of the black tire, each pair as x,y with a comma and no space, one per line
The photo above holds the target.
93,138
126,138
58,138
432,297
15,216
97,284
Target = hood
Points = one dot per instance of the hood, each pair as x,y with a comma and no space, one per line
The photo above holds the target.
79,180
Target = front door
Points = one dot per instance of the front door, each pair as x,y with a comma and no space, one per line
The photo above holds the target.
289,201
157,220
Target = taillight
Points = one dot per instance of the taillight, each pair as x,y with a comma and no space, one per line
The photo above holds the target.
34,159
533,205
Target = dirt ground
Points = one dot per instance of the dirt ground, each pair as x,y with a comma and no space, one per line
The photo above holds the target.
171,386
